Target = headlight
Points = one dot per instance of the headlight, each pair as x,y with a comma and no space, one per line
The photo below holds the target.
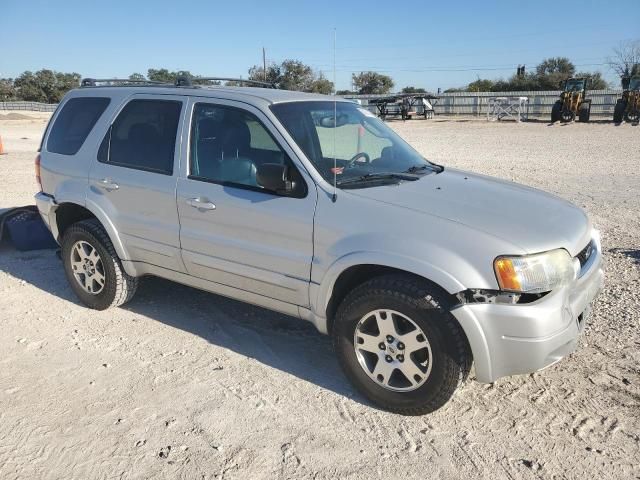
537,273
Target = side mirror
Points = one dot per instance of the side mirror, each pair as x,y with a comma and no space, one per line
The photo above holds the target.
275,177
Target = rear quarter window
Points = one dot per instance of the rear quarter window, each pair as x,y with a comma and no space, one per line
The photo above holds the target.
74,123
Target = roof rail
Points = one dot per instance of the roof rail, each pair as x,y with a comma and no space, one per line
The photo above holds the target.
184,81
92,82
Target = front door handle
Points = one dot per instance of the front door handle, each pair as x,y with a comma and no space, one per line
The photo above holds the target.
108,184
201,203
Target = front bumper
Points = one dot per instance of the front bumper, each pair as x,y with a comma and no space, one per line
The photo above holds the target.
523,338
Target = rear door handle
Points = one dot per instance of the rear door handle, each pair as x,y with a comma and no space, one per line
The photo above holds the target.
108,184
201,203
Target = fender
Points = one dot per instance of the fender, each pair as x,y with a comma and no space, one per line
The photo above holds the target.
321,294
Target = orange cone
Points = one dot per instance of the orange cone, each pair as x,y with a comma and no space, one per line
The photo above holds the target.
2,152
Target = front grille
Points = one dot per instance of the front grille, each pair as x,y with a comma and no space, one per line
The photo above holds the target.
585,253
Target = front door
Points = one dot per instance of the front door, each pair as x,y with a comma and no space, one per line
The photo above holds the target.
233,231
134,179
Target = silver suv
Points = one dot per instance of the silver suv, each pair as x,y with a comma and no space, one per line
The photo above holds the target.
311,206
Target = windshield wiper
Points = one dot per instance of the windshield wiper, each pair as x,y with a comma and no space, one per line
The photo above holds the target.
419,168
372,177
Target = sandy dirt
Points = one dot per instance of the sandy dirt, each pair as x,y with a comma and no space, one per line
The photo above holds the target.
185,384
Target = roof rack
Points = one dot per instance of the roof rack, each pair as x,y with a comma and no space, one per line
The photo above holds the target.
184,81
92,82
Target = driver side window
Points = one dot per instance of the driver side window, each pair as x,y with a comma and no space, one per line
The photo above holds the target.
228,145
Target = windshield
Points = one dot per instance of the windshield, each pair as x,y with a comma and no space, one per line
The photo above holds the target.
364,145
634,84
574,85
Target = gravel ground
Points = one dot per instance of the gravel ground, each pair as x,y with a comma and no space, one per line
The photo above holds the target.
185,384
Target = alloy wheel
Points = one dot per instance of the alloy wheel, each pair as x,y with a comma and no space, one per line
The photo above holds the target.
393,350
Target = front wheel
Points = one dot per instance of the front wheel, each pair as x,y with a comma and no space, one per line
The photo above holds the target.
93,268
585,112
618,111
399,346
555,111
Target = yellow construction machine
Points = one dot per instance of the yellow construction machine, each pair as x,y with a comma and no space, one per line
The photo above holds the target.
573,102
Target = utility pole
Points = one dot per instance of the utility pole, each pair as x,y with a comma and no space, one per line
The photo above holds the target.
264,64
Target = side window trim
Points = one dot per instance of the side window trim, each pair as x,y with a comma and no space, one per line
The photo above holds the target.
177,149
189,144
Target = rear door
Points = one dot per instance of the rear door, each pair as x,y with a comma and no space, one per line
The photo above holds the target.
233,231
134,179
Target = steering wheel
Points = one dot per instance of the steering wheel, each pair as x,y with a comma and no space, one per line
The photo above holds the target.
351,162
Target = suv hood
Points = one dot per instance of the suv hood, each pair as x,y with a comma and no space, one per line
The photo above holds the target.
530,219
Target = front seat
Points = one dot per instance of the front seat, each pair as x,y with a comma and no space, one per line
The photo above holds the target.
236,165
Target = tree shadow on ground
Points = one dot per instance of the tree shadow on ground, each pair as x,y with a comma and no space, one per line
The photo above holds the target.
289,344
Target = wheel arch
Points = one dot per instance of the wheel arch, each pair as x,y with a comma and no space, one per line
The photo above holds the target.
354,269
68,213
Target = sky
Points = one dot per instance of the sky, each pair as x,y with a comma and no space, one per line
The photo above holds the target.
420,43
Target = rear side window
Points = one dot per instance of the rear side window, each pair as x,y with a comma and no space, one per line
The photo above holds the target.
73,124
143,136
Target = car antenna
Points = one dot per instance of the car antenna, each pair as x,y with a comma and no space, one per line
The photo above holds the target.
335,124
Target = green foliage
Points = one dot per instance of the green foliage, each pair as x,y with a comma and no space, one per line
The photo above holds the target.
480,86
549,75
45,86
292,75
165,76
367,83
345,92
413,90
7,90
136,76
594,80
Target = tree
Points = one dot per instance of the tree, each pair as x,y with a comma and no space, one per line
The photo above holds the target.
7,90
273,73
345,92
45,85
292,75
480,85
552,71
413,90
322,85
556,65
136,76
625,60
367,83
165,76
594,80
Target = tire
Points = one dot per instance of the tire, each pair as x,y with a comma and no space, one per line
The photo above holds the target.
618,111
556,111
632,116
585,112
449,356
117,287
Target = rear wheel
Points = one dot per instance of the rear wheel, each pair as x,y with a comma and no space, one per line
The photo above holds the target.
584,112
632,116
618,111
555,111
93,268
400,346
